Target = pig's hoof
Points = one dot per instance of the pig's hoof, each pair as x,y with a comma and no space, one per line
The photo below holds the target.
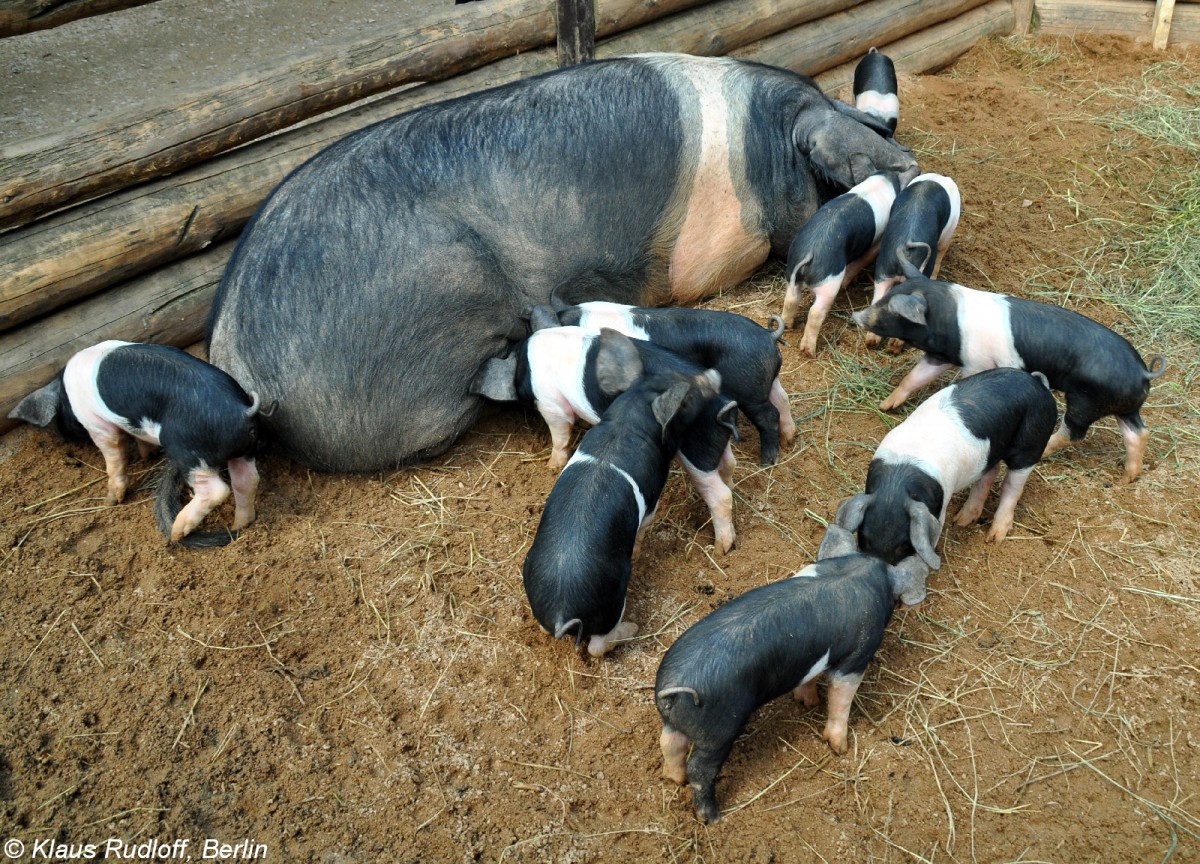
998,533
965,518
837,741
891,403
807,348
725,543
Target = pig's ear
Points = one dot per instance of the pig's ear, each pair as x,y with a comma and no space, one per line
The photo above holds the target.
910,307
542,317
923,532
666,405
850,512
618,363
496,379
40,406
837,542
728,417
908,580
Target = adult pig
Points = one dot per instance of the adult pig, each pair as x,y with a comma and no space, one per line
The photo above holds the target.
377,278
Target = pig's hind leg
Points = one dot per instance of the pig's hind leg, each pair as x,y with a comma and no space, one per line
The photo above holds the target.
1136,435
243,476
1010,494
825,293
702,770
787,425
674,745
768,421
839,696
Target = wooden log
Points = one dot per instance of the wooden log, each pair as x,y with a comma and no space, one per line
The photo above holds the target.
51,172
576,32
26,16
721,27
825,43
934,48
63,258
66,257
168,306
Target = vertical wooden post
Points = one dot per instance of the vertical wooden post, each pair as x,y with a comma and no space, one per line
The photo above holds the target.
1161,31
1022,17
576,31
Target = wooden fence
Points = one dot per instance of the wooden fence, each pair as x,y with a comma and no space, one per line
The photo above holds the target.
122,230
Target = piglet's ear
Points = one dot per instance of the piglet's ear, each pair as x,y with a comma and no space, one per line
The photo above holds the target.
666,405
908,580
923,532
910,307
618,363
40,406
495,379
850,512
541,317
837,542
728,417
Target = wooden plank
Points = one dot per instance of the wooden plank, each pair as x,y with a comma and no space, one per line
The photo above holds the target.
1131,18
933,48
1022,17
63,258
823,44
26,16
1106,17
168,306
1160,29
576,32
52,172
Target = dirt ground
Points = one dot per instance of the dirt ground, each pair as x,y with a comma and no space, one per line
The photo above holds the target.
359,678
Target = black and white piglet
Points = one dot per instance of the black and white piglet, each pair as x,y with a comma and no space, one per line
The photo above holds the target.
745,353
577,571
162,397
832,247
569,372
875,89
1100,373
829,618
955,438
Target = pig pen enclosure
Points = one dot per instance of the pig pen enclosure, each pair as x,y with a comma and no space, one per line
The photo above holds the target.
359,678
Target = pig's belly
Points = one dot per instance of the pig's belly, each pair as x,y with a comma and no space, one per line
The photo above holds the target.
714,250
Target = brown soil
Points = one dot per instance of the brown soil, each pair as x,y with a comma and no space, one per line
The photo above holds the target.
359,677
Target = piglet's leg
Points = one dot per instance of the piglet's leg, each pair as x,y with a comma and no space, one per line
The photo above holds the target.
243,476
146,449
839,696
637,542
787,425
972,508
806,693
825,293
112,448
674,745
209,490
791,305
601,644
1136,435
719,498
1010,494
923,373
560,423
